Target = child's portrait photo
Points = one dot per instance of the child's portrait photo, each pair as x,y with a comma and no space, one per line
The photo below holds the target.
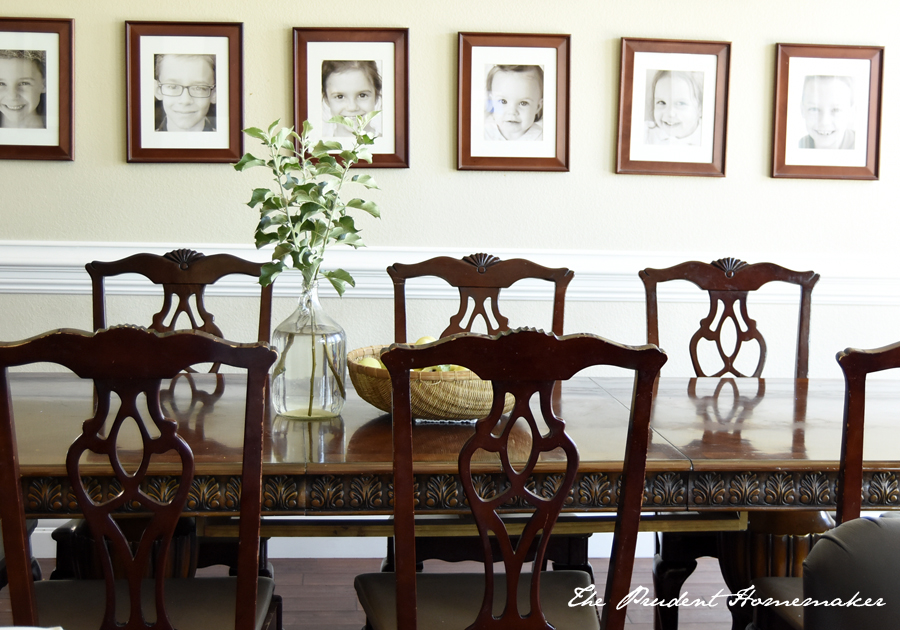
350,72
36,89
184,91
185,94
23,89
351,88
514,102
827,108
826,101
673,109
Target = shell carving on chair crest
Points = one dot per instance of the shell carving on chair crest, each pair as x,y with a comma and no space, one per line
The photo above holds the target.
482,261
183,257
729,265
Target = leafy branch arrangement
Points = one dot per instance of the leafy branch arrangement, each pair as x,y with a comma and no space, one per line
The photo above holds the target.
303,212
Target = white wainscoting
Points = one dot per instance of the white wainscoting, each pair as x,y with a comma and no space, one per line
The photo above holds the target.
57,267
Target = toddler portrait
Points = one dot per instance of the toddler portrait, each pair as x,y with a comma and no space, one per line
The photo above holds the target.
514,105
675,108
827,105
186,91
23,89
350,88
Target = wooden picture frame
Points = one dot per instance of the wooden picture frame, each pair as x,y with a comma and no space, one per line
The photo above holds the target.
827,111
685,133
372,55
184,127
535,66
39,52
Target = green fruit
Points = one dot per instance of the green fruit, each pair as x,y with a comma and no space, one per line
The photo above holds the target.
370,362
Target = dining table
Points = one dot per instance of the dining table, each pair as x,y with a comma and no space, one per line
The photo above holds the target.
720,449
717,444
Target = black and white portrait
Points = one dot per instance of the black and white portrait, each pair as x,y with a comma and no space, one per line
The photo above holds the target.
514,102
351,88
826,104
673,110
826,112
185,94
36,89
23,89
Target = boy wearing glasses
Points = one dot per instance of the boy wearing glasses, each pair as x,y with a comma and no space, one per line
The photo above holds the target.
186,86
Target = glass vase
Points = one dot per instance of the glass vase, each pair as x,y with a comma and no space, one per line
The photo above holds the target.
308,380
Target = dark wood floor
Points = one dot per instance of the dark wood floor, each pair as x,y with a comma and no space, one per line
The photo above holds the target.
318,593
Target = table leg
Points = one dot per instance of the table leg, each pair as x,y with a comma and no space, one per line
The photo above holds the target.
674,561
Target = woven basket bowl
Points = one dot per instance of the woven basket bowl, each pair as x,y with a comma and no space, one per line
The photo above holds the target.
434,395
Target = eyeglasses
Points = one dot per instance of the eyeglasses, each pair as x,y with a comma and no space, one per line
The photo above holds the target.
197,91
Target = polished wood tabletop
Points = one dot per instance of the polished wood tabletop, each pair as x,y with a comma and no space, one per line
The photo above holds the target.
717,444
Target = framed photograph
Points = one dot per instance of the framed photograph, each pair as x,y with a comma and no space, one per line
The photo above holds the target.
673,107
36,96
353,71
827,111
513,102
184,84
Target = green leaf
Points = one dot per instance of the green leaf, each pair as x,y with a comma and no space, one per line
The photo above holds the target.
259,195
307,127
282,250
282,138
344,122
334,171
248,161
353,240
256,132
365,180
324,146
365,119
264,238
273,125
270,271
339,279
367,206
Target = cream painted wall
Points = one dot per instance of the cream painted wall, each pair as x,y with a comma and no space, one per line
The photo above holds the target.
100,197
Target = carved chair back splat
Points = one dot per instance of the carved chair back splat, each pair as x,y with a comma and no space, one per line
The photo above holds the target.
526,363
131,363
479,278
728,281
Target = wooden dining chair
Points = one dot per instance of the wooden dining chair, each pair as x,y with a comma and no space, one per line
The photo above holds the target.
184,275
479,278
729,283
525,363
860,555
128,366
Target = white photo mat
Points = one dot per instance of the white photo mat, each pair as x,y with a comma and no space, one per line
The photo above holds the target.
645,62
484,58
382,53
48,42
151,45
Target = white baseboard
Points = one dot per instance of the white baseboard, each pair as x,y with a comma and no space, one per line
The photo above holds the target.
43,546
